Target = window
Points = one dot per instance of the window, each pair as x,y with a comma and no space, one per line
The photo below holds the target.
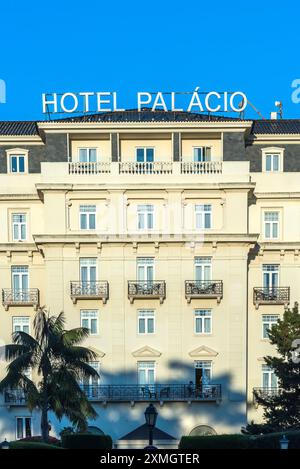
268,322
203,372
89,320
271,222
21,323
203,321
272,159
87,155
145,217
17,163
146,373
19,226
270,276
87,215
91,384
269,379
23,427
203,216
202,154
146,322
145,154
203,268
145,269
20,282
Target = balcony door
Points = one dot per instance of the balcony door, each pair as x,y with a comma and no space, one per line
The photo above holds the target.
20,283
201,154
202,269
269,379
87,155
146,376
145,269
91,384
270,276
88,275
145,155
203,371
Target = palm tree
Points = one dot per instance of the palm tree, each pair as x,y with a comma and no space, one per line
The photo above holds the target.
60,362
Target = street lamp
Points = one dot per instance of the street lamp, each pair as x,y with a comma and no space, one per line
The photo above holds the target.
150,417
5,444
284,442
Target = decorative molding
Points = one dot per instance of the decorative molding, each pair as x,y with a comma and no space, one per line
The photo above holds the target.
146,351
203,351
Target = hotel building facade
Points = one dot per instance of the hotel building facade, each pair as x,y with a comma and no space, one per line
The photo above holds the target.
175,238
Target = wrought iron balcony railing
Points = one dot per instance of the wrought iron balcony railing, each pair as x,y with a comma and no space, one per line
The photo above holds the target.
146,289
203,289
273,295
21,297
265,392
155,392
15,397
89,290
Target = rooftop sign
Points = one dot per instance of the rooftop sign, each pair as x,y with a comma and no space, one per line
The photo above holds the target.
107,101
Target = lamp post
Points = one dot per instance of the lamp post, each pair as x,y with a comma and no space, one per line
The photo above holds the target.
284,442
5,444
150,417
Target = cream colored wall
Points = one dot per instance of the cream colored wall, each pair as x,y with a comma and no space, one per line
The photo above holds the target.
162,149
103,148
34,218
187,146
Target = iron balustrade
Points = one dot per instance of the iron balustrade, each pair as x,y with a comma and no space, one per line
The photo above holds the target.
204,289
155,392
92,289
147,289
201,167
78,167
15,397
145,167
271,295
265,392
19,297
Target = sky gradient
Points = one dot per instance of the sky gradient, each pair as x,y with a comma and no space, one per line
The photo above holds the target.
148,46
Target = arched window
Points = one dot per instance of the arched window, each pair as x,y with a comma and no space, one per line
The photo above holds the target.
203,430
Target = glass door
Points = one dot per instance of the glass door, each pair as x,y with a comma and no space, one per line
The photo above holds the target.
88,275
20,283
146,378
87,155
203,268
145,269
270,280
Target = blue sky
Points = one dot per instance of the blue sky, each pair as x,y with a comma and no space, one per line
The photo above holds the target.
148,45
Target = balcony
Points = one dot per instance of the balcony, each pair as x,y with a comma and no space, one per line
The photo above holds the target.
89,168
203,289
155,392
150,289
155,167
97,290
15,397
28,297
271,296
201,167
265,393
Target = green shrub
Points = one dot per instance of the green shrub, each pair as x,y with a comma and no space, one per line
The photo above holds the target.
271,440
86,441
31,445
214,442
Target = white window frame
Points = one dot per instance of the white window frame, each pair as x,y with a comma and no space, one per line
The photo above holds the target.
200,210
144,262
23,426
197,315
139,147
204,153
87,213
271,223
277,271
89,320
17,152
272,151
19,225
269,322
22,324
142,316
144,211
265,369
208,364
87,149
139,366
203,262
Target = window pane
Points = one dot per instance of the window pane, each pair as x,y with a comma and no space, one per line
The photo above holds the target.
27,427
207,220
21,164
198,325
150,326
83,155
149,154
23,231
92,155
14,164
19,428
83,221
140,154
85,323
93,326
275,162
141,326
92,221
268,162
207,325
